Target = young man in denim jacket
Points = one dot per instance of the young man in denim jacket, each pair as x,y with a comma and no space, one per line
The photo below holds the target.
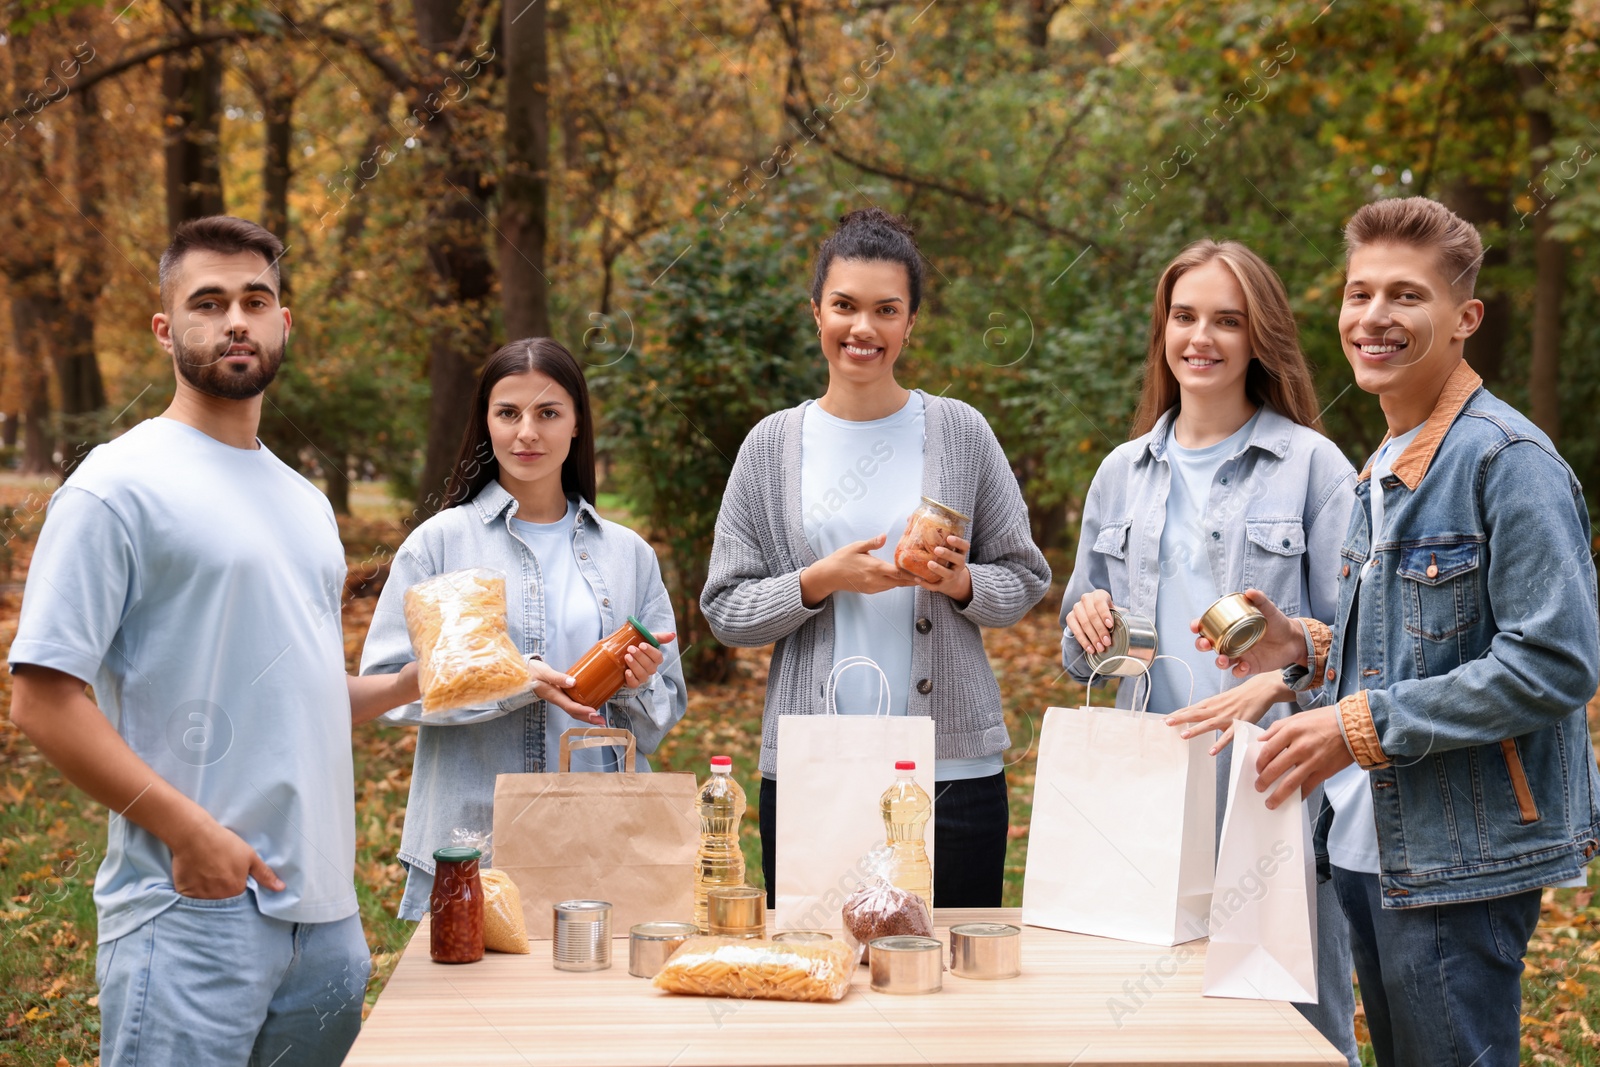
1455,676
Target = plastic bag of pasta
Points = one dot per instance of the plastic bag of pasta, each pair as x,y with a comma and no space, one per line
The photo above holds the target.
879,909
457,624
760,969
503,927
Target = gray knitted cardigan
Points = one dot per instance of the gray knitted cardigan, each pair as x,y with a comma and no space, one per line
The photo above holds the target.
752,594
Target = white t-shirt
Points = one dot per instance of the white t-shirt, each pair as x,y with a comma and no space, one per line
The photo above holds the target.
572,626
1187,587
858,480
197,586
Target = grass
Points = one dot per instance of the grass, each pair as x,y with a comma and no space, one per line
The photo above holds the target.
52,837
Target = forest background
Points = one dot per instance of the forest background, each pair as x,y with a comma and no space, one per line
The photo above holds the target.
646,182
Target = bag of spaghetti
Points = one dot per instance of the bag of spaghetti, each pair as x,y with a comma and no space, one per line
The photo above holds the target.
760,969
503,926
457,625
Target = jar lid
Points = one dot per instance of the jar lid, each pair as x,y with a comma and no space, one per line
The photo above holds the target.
644,632
456,854
946,508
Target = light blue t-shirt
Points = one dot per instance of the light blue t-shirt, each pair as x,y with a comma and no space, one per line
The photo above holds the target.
197,586
859,480
1187,587
571,628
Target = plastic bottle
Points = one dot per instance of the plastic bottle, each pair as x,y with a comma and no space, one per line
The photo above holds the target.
906,811
721,862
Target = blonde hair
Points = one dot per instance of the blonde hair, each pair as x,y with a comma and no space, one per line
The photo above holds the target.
1278,374
1421,223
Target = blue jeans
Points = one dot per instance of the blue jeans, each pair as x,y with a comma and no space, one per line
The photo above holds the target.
215,982
1442,984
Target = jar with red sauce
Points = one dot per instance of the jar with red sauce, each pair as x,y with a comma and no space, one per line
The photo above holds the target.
455,931
600,672
926,530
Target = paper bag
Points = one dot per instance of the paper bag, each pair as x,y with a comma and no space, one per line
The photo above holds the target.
832,773
630,839
1264,903
1124,828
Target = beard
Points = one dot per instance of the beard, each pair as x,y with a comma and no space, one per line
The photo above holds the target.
206,370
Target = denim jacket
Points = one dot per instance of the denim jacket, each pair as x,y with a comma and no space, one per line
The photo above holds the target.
1277,514
460,753
1478,644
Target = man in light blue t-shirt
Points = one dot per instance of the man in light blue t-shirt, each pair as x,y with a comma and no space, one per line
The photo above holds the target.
195,581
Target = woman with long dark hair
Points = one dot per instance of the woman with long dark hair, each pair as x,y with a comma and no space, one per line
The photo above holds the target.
1226,485
804,549
521,501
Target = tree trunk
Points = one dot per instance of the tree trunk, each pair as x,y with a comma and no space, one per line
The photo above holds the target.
28,326
1550,270
78,380
339,487
1485,205
277,107
463,270
525,180
191,85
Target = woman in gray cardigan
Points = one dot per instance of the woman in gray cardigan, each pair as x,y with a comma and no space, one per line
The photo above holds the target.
1227,485
803,555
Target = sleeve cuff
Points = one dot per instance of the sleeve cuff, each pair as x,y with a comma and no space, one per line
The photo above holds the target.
1319,639
1360,732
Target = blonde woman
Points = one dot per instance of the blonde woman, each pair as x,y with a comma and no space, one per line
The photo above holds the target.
1226,485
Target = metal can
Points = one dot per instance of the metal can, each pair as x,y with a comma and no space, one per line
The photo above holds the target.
650,945
736,911
1133,646
582,935
803,936
985,950
1233,624
906,963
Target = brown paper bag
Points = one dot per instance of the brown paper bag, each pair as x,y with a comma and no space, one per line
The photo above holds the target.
630,839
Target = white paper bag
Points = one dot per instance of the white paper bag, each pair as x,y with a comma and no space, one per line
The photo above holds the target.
1124,828
832,773
1264,903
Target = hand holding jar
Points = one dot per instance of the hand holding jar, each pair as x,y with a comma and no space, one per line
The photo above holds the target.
934,551
626,658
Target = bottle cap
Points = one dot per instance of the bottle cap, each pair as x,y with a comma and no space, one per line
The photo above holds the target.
905,765
723,764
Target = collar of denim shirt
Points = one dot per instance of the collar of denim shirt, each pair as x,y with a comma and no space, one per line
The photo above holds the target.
1413,463
1271,434
492,501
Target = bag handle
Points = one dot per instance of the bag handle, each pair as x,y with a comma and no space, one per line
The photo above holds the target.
1149,688
596,737
1142,676
857,661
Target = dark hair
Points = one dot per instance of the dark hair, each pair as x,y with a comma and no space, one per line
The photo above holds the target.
476,466
223,234
871,235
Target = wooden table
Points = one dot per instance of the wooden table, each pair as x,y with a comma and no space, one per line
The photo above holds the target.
1080,1001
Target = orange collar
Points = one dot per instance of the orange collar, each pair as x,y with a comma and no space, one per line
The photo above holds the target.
1418,456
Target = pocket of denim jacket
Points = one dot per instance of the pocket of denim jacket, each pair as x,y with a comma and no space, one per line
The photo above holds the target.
1112,540
1273,560
1440,582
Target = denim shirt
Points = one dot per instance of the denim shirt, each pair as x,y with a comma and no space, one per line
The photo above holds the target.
1277,514
1478,641
460,753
